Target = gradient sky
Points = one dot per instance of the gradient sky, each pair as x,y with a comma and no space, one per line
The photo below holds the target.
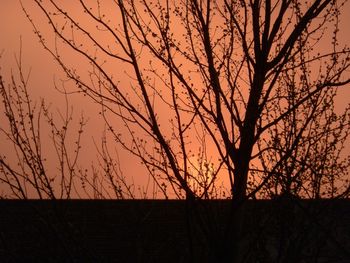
14,25
43,73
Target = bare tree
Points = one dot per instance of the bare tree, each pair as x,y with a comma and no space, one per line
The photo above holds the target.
41,159
243,85
316,167
218,70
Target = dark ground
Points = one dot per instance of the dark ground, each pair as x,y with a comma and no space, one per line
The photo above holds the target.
157,231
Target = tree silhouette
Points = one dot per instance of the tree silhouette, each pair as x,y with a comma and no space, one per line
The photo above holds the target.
240,81
206,93
37,138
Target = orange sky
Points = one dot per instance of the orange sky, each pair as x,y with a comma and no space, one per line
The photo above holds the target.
14,25
43,72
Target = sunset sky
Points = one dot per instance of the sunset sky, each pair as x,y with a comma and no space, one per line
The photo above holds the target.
15,29
44,73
